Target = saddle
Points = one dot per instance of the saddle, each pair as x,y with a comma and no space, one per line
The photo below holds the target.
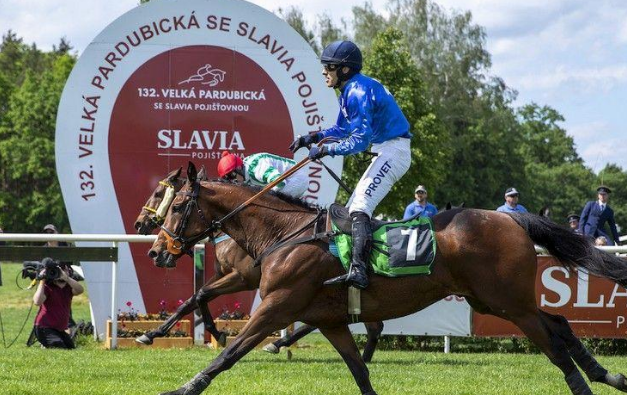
338,216
399,248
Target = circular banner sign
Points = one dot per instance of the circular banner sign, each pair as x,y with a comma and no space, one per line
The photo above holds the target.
172,82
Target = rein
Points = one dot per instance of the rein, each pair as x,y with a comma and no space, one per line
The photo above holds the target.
292,170
177,244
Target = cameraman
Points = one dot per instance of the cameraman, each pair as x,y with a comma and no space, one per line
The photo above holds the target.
55,299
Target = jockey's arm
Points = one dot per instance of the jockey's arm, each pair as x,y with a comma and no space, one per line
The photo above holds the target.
359,124
265,172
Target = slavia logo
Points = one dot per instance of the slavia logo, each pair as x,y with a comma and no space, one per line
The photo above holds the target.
213,76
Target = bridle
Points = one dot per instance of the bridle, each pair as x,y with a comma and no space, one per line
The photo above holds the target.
161,210
176,243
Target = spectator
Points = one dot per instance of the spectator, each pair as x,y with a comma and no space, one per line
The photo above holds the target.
51,229
511,202
600,241
595,214
55,300
573,222
420,206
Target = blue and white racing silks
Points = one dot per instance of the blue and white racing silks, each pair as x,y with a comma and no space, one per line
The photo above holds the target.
368,115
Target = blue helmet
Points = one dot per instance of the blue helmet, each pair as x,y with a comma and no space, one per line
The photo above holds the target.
343,53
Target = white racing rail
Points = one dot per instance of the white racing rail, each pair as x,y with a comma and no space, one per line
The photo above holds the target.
115,239
110,238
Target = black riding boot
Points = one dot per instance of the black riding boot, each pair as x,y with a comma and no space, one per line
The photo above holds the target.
357,275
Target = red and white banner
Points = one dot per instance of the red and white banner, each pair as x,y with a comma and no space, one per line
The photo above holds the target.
594,307
166,83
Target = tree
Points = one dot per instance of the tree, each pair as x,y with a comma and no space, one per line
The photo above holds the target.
294,17
389,61
30,195
449,51
557,176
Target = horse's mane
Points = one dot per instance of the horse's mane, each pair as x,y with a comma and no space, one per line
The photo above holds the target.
284,197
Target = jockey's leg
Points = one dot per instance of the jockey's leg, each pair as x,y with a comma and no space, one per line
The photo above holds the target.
362,242
391,163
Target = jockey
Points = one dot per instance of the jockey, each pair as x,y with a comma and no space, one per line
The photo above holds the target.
261,169
368,115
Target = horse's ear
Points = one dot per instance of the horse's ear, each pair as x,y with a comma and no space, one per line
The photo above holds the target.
192,174
544,211
175,174
202,174
462,205
448,206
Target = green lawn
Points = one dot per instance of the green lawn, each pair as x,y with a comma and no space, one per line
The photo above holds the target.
315,368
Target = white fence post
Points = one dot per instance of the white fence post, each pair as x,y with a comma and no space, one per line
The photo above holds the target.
114,313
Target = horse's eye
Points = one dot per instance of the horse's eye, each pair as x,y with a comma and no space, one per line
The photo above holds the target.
177,208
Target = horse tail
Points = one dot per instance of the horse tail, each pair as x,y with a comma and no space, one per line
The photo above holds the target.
572,250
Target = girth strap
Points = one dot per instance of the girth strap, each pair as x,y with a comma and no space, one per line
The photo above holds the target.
289,241
285,243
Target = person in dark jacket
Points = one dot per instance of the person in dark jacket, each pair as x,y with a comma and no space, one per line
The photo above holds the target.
595,214
573,222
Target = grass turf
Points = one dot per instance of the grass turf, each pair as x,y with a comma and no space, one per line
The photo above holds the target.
315,369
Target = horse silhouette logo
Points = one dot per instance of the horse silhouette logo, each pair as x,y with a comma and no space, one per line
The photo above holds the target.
207,76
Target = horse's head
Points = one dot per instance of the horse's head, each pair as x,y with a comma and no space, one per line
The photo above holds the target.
184,224
153,212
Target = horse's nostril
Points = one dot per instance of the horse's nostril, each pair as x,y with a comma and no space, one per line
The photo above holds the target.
153,254
138,225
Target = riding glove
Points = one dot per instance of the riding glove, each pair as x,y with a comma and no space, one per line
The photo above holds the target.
304,141
316,152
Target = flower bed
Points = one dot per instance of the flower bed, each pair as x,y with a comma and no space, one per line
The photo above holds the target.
132,325
179,336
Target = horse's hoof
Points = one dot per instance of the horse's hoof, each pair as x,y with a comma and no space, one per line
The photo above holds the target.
617,381
271,348
222,339
289,354
143,339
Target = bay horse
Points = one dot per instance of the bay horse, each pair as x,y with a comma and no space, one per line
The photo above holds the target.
234,272
487,257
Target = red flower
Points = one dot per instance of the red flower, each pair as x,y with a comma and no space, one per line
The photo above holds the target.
162,303
129,303
178,324
238,305
180,302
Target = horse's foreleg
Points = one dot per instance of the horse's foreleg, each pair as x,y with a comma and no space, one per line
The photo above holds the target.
289,339
261,325
581,355
374,333
186,308
342,339
228,284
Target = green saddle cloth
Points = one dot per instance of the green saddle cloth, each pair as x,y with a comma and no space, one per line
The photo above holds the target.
402,248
